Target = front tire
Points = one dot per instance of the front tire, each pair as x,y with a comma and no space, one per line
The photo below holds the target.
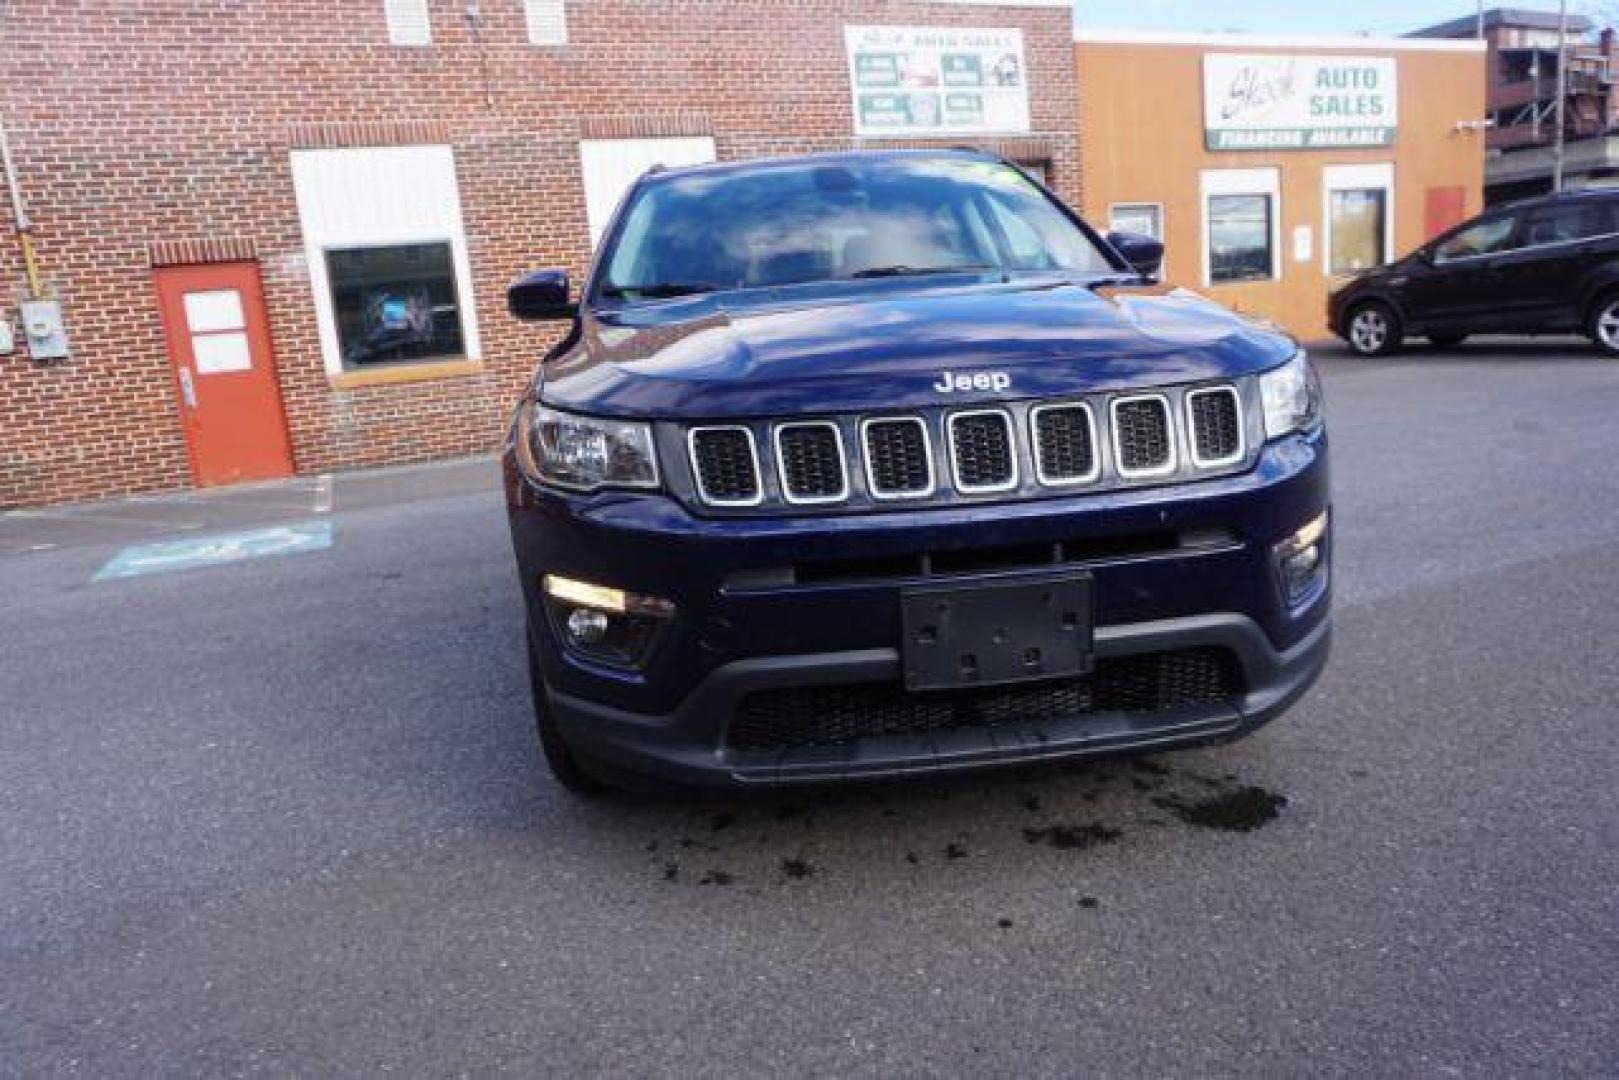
1373,329
1603,324
559,757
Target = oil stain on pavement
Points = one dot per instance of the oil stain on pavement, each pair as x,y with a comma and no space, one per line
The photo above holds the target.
1078,808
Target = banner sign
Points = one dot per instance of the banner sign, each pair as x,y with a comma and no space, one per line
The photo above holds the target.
913,80
1298,102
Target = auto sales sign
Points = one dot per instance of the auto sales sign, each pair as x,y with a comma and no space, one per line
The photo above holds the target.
1279,102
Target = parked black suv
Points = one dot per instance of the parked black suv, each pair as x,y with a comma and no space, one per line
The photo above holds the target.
1543,266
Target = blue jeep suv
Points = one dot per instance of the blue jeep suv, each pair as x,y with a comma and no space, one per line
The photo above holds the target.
864,465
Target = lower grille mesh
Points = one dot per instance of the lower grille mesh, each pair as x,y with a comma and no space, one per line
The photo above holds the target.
835,715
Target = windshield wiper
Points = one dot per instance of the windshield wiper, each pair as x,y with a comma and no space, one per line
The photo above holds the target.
901,270
659,290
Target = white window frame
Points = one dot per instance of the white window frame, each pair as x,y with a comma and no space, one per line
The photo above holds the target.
546,22
410,22
1266,180
608,168
1137,204
1356,178
439,223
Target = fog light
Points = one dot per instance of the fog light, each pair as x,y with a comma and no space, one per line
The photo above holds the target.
1299,561
603,624
586,626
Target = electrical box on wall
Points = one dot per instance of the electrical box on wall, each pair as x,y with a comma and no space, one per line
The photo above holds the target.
43,328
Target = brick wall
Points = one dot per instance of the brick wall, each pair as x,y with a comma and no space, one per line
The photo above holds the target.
160,131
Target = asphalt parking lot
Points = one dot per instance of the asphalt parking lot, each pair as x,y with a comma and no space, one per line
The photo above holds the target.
286,814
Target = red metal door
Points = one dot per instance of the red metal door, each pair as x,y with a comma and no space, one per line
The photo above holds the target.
1446,208
224,372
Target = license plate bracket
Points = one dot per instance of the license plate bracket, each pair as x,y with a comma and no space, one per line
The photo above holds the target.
996,632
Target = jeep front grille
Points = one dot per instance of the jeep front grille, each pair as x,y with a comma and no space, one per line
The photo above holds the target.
981,451
1065,444
939,455
1143,441
726,464
810,459
1199,678
1215,417
899,457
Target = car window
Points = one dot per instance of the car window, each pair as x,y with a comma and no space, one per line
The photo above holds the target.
838,220
1485,238
1570,221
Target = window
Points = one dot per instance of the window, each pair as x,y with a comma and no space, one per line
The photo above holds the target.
1566,222
1240,238
1486,238
408,22
1144,219
395,303
1355,229
1241,225
547,22
1040,170
218,329
1358,229
386,254
611,166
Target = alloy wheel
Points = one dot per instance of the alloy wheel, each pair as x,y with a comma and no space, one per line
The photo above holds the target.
1369,330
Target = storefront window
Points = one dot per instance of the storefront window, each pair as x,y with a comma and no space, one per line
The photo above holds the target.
1144,219
395,303
1358,222
1240,238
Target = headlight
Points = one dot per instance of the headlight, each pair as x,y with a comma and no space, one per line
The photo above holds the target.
584,452
1292,396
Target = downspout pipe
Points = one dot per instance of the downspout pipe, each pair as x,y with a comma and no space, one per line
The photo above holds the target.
19,219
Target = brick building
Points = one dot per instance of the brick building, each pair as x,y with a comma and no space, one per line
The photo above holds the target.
1526,47
377,171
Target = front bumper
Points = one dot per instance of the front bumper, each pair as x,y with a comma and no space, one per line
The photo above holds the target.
742,628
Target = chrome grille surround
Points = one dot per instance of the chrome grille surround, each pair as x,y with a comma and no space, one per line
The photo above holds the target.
876,490
1122,454
695,436
1038,443
960,448
785,470
1196,427
917,457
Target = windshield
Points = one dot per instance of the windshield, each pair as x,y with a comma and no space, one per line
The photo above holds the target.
796,224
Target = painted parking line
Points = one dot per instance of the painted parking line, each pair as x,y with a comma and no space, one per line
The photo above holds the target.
216,549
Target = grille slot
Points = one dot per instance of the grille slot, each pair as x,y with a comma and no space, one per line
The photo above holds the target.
810,460
981,452
1143,440
899,457
726,465
1215,418
837,715
1065,444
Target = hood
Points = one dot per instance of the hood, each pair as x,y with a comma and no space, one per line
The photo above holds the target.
714,357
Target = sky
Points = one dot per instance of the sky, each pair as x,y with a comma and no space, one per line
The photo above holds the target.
1388,17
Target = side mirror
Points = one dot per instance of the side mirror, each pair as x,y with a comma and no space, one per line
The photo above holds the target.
541,294
1144,254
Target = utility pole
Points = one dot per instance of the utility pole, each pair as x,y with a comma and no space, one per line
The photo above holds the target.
1562,94
1481,20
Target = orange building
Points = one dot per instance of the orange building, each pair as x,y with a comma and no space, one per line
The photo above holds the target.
1269,165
